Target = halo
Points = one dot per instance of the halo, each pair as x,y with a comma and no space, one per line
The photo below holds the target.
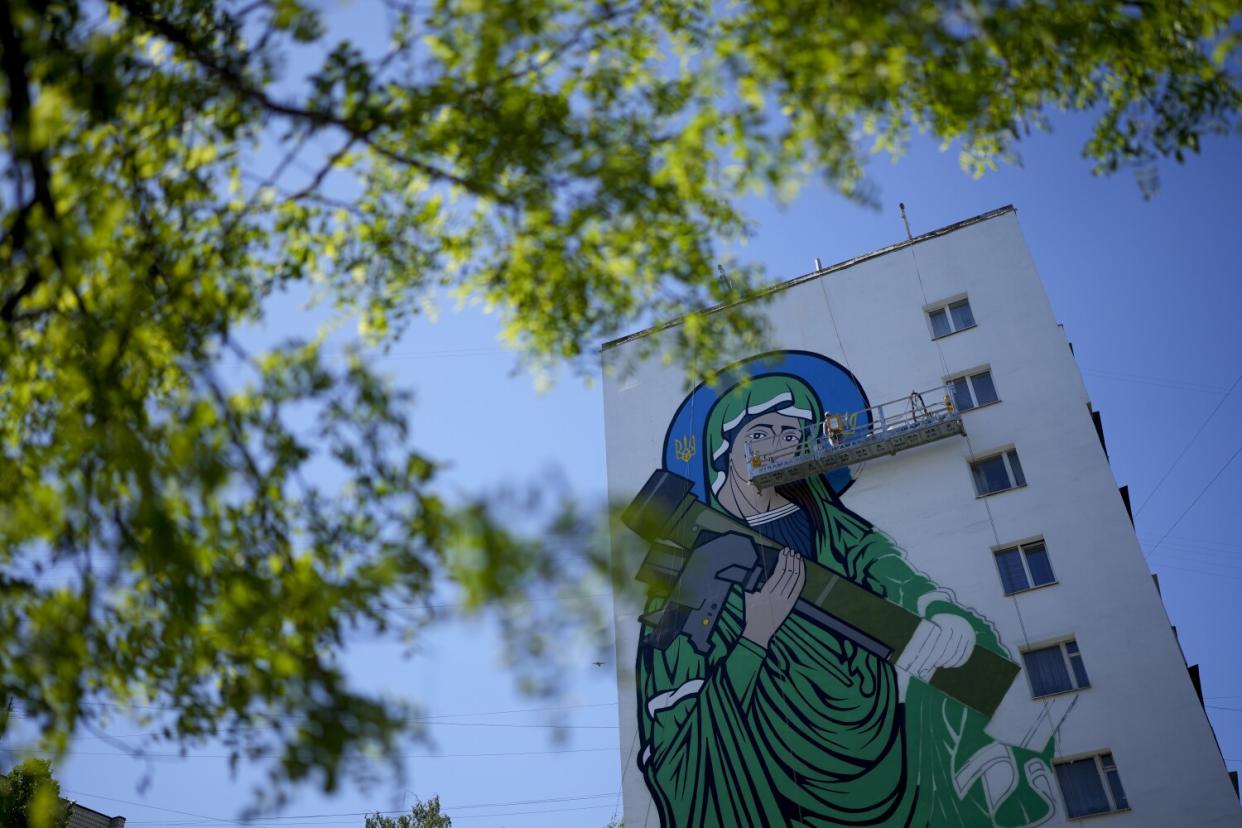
832,383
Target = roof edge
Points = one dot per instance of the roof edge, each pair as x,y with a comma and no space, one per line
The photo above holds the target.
824,271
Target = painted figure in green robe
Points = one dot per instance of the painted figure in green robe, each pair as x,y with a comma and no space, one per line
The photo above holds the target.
785,723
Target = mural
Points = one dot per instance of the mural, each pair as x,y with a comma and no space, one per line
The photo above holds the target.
793,667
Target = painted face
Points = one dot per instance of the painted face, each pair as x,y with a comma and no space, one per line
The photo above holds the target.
766,433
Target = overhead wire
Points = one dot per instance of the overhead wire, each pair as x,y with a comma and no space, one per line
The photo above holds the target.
1206,542
1205,573
1201,493
1225,560
332,818
141,805
435,718
1221,548
278,821
1148,379
144,755
1195,556
519,725
1189,443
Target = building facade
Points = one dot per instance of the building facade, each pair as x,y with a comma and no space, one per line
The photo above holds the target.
965,632
82,817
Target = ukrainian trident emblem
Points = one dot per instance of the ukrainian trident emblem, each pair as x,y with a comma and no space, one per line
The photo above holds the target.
685,447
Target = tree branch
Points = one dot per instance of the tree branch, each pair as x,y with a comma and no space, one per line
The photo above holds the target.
328,166
232,78
13,61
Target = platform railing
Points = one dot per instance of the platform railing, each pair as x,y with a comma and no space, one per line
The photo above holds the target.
838,432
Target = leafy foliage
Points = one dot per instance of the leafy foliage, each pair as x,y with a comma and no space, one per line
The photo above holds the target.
188,529
422,815
30,797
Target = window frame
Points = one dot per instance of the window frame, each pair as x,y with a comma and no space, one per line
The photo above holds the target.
1106,772
945,306
1067,660
1021,548
968,377
1013,470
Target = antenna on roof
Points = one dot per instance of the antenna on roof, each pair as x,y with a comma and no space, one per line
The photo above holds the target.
724,279
818,266
905,220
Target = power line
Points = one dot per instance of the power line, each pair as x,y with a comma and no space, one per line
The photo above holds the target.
434,720
1202,492
320,818
1225,553
142,805
1148,379
430,718
169,709
1197,541
1226,560
1163,566
496,754
1186,448
285,820
354,822
524,725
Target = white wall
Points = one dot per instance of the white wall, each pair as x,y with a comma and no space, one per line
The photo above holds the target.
1141,705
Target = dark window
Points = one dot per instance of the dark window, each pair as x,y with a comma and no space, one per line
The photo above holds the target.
1083,788
985,391
1075,660
1019,479
997,473
961,315
951,318
961,395
1013,574
1024,567
1049,669
991,475
1114,780
1038,563
973,390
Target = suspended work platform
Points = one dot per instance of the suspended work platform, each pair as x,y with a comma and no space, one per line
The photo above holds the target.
841,440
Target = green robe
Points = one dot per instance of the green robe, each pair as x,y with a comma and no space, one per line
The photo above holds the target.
811,732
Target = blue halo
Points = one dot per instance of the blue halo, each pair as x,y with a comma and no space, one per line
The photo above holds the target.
836,388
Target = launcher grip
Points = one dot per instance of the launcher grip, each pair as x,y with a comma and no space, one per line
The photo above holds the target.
980,683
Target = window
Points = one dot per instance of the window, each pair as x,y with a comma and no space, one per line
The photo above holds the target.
1056,669
973,390
997,473
1024,567
1091,786
951,318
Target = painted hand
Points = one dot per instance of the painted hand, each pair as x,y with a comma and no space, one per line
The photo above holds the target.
769,606
944,640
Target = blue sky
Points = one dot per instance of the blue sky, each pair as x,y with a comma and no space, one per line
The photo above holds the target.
1149,293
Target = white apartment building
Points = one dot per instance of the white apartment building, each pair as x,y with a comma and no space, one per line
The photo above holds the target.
991,527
